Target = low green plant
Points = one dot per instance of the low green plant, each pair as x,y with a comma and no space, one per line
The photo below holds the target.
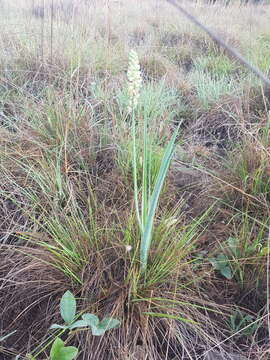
242,324
239,250
98,327
221,264
68,308
248,249
247,166
210,89
260,55
216,65
243,255
68,314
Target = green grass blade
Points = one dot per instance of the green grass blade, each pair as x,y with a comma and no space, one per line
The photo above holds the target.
169,316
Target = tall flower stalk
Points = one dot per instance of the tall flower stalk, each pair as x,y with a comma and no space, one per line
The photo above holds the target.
149,199
134,86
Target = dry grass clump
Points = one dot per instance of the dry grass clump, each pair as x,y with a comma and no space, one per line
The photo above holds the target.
221,124
247,169
154,67
138,37
26,276
79,233
183,58
79,221
60,10
258,100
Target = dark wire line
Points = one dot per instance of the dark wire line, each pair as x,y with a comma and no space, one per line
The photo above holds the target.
216,38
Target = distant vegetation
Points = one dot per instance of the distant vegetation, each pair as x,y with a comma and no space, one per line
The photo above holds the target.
135,173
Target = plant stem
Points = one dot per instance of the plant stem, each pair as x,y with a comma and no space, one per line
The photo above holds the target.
135,179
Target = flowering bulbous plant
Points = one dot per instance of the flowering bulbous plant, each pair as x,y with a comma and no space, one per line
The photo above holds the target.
134,79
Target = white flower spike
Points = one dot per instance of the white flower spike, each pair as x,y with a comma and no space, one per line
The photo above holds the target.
134,79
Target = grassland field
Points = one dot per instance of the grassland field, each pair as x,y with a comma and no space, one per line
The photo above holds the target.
140,193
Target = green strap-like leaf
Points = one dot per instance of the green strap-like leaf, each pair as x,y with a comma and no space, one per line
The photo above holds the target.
147,234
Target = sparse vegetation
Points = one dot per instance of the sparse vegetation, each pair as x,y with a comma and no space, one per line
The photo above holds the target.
134,171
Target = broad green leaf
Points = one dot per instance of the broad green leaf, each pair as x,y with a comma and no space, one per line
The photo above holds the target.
68,353
109,323
68,307
78,324
226,272
99,328
219,262
213,262
222,260
57,345
97,331
60,352
56,326
91,319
